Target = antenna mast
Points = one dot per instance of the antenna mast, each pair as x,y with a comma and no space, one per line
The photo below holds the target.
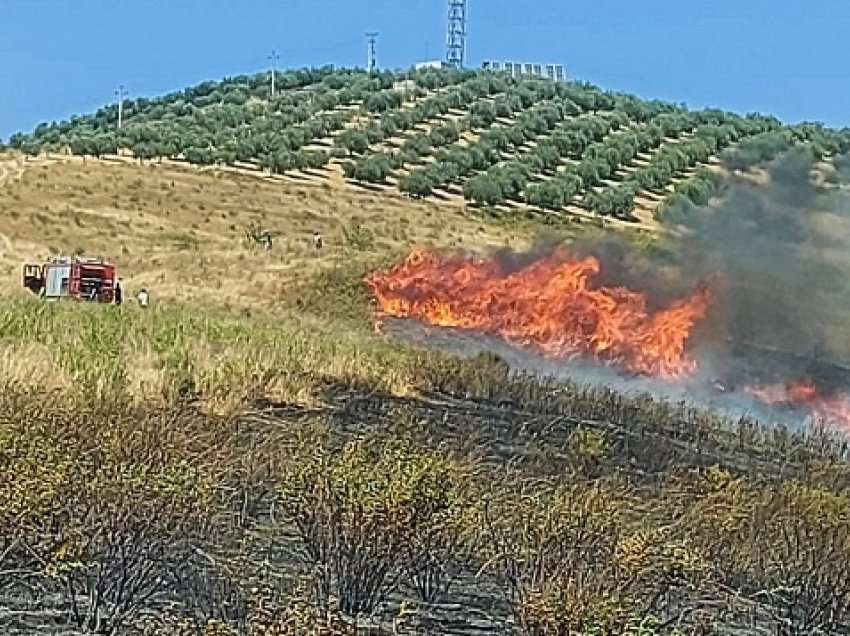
372,60
121,94
274,57
456,36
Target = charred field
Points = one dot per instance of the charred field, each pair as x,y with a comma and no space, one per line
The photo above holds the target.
325,463
478,494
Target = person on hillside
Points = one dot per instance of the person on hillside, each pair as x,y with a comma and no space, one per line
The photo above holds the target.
267,239
143,298
317,240
118,295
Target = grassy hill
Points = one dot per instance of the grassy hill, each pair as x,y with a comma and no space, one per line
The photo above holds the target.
517,146
251,456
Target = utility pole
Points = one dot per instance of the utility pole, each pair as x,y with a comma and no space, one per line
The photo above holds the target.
372,63
274,57
120,93
456,36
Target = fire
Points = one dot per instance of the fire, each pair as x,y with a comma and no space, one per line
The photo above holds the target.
828,409
549,306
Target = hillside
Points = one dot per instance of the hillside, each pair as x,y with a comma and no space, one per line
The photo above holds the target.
181,232
526,147
264,453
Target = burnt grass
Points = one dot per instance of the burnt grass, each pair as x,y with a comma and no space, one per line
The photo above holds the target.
476,409
529,424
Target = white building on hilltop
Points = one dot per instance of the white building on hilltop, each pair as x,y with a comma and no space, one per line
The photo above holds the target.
524,69
431,64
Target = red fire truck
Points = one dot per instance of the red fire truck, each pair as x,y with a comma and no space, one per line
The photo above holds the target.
74,277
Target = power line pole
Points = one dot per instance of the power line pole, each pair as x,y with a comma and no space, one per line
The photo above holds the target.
274,57
120,93
372,62
456,35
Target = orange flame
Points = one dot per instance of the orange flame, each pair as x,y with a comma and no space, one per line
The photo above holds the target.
548,306
828,409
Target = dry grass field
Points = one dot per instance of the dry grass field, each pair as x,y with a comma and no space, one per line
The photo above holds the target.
180,231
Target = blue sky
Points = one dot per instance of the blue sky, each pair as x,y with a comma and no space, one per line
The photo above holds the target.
784,57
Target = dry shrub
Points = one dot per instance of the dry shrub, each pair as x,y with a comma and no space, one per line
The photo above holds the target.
146,383
358,510
485,375
300,618
783,544
657,559
567,606
550,548
229,378
101,504
24,366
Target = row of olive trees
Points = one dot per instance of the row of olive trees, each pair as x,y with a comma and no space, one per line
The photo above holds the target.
458,162
485,98
461,96
583,139
600,161
328,85
210,138
673,160
603,160
769,144
760,148
669,161
235,91
217,112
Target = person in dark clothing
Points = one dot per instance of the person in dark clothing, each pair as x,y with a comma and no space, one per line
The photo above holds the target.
119,293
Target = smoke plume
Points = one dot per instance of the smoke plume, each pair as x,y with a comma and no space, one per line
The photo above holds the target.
774,250
777,247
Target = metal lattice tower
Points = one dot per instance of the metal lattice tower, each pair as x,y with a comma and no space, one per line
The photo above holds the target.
372,63
456,37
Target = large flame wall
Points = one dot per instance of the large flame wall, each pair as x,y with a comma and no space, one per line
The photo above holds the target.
550,306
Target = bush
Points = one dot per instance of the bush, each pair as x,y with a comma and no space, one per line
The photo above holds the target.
311,159
700,188
483,189
417,183
444,135
613,201
676,208
374,168
756,150
550,195
418,145
358,510
355,141
383,101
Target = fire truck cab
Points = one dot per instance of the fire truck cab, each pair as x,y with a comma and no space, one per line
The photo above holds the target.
74,277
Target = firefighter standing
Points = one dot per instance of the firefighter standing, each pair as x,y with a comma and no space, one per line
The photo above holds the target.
317,240
118,296
143,298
